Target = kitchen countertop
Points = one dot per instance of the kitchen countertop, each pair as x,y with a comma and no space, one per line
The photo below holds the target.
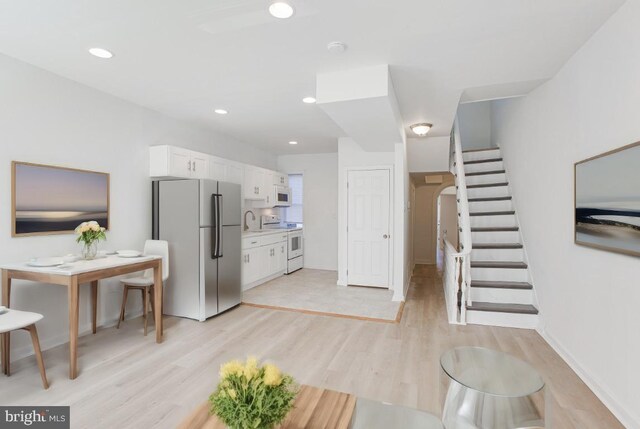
263,232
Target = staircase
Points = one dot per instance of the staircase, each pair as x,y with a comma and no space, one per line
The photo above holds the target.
501,292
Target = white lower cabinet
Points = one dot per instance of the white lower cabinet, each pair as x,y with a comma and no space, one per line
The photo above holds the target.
263,258
254,264
281,251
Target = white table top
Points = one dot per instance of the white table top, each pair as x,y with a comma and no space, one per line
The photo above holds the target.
82,266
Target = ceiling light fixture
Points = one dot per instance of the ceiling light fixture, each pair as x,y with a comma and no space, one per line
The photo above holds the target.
293,142
421,129
309,100
280,9
100,53
336,47
221,111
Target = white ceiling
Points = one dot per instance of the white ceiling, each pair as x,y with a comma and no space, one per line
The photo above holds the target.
185,58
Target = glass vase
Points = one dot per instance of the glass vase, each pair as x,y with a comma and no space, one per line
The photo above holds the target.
90,250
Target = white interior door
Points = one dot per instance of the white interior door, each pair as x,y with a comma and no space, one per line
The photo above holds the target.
368,235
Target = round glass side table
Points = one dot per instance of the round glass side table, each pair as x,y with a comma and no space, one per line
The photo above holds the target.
491,390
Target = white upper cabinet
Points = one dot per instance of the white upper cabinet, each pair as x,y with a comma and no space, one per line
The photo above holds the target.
280,179
253,181
235,173
266,189
257,183
223,170
199,165
218,169
179,163
174,162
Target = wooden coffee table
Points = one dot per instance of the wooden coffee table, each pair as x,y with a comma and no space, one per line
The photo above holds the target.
322,408
313,407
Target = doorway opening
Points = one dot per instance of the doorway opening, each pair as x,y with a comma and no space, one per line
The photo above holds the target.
434,213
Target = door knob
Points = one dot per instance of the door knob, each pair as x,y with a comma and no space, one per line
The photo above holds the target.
385,236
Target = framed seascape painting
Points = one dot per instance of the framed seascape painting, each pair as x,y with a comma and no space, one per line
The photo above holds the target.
607,201
55,200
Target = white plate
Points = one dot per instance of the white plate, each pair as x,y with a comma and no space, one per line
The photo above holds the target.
45,262
3,309
129,253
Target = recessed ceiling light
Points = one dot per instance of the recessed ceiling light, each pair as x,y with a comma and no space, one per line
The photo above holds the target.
100,53
421,129
309,100
281,10
336,47
221,111
293,142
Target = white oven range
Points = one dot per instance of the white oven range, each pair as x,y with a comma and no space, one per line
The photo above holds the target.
295,240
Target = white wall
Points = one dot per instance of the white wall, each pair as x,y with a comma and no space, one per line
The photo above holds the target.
400,238
588,298
428,155
474,120
47,119
320,205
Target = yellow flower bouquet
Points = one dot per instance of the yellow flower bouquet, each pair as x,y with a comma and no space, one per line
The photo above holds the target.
252,396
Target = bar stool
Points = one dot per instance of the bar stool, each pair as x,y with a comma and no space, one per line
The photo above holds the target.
12,320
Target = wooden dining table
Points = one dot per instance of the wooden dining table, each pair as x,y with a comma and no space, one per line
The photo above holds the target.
74,274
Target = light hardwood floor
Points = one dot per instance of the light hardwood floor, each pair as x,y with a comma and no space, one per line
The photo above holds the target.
128,381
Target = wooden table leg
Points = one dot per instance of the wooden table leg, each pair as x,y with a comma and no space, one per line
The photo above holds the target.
94,305
73,326
36,349
6,337
5,354
157,300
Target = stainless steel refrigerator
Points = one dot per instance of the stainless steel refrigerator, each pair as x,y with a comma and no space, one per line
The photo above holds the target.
201,221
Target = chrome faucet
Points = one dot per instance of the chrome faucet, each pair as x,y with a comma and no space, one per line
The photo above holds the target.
253,217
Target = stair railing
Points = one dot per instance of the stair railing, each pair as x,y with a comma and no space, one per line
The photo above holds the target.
457,263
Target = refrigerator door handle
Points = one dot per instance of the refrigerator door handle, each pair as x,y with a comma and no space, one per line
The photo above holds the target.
215,223
219,226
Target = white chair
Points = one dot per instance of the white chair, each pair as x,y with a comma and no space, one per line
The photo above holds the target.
12,320
144,283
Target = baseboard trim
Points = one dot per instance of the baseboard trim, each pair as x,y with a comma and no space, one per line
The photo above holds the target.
248,286
605,396
397,296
